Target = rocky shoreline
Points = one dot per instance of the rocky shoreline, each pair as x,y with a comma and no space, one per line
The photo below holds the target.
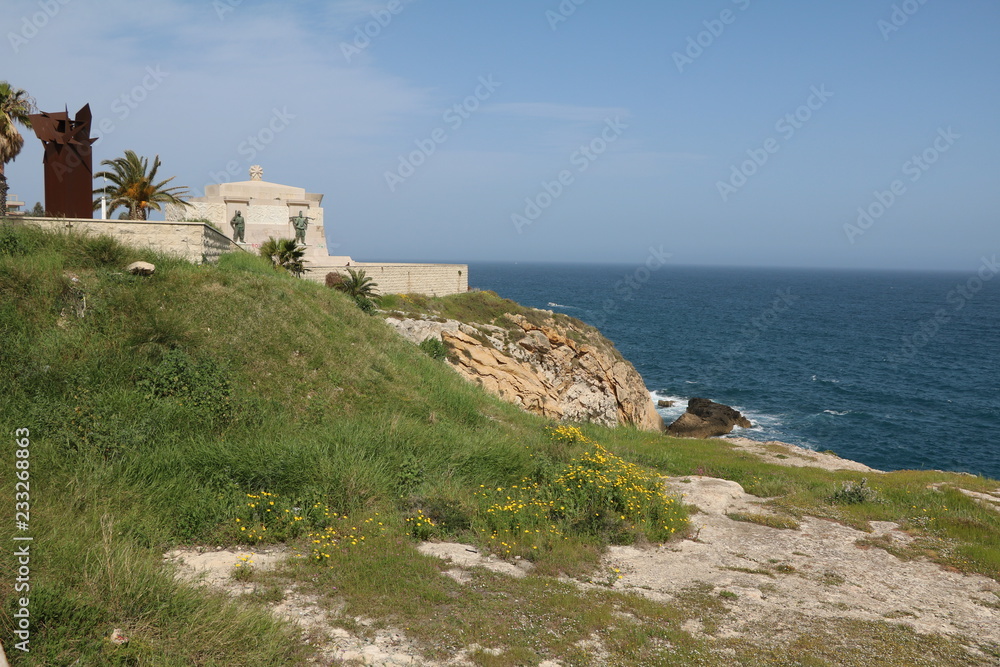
566,370
559,368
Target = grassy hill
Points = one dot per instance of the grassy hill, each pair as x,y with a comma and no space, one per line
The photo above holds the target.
230,404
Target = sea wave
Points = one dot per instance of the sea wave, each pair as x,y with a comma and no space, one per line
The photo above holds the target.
671,413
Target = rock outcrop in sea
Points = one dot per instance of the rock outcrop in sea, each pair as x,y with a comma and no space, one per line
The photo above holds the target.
563,370
706,419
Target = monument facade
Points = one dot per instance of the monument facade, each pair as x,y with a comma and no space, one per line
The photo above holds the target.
251,211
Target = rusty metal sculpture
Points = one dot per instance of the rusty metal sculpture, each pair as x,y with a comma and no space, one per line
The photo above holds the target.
69,166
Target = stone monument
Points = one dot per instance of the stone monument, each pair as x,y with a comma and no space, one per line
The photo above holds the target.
69,167
256,210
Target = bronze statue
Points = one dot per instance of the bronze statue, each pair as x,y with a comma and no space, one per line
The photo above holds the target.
69,167
301,222
239,227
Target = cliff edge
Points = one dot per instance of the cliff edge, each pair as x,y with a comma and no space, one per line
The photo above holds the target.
548,364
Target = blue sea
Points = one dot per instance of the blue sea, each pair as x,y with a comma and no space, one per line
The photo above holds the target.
896,370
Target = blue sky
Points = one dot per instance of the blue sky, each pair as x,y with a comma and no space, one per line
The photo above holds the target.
730,132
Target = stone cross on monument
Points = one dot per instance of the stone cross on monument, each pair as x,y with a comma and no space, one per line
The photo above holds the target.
256,173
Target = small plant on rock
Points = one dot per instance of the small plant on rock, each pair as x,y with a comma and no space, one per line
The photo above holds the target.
434,348
854,493
243,569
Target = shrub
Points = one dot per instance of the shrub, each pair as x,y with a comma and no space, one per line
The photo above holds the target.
854,493
10,242
434,347
359,287
597,494
333,279
103,251
285,255
269,517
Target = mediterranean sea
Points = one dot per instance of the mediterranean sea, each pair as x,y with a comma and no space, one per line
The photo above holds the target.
896,370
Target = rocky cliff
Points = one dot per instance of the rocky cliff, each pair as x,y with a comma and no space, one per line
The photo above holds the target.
550,365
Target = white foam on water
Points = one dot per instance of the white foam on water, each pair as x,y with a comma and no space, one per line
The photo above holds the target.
657,396
767,427
839,413
674,411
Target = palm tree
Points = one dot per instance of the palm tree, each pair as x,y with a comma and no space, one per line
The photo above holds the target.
133,188
361,288
285,255
15,106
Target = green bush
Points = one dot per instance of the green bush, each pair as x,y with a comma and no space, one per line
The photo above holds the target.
10,242
854,493
434,348
103,252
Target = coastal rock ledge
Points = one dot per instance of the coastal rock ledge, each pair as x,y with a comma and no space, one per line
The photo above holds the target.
564,370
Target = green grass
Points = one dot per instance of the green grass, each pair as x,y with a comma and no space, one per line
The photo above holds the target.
155,413
771,520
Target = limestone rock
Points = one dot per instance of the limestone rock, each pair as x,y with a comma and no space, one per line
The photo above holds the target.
663,403
706,419
559,369
141,269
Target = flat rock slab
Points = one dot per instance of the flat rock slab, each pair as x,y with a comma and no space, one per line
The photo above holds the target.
816,571
794,456
465,556
215,567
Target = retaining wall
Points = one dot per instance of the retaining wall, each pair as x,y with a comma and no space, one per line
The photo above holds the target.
193,241
429,279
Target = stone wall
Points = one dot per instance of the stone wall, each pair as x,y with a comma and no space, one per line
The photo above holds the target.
193,241
215,244
429,279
